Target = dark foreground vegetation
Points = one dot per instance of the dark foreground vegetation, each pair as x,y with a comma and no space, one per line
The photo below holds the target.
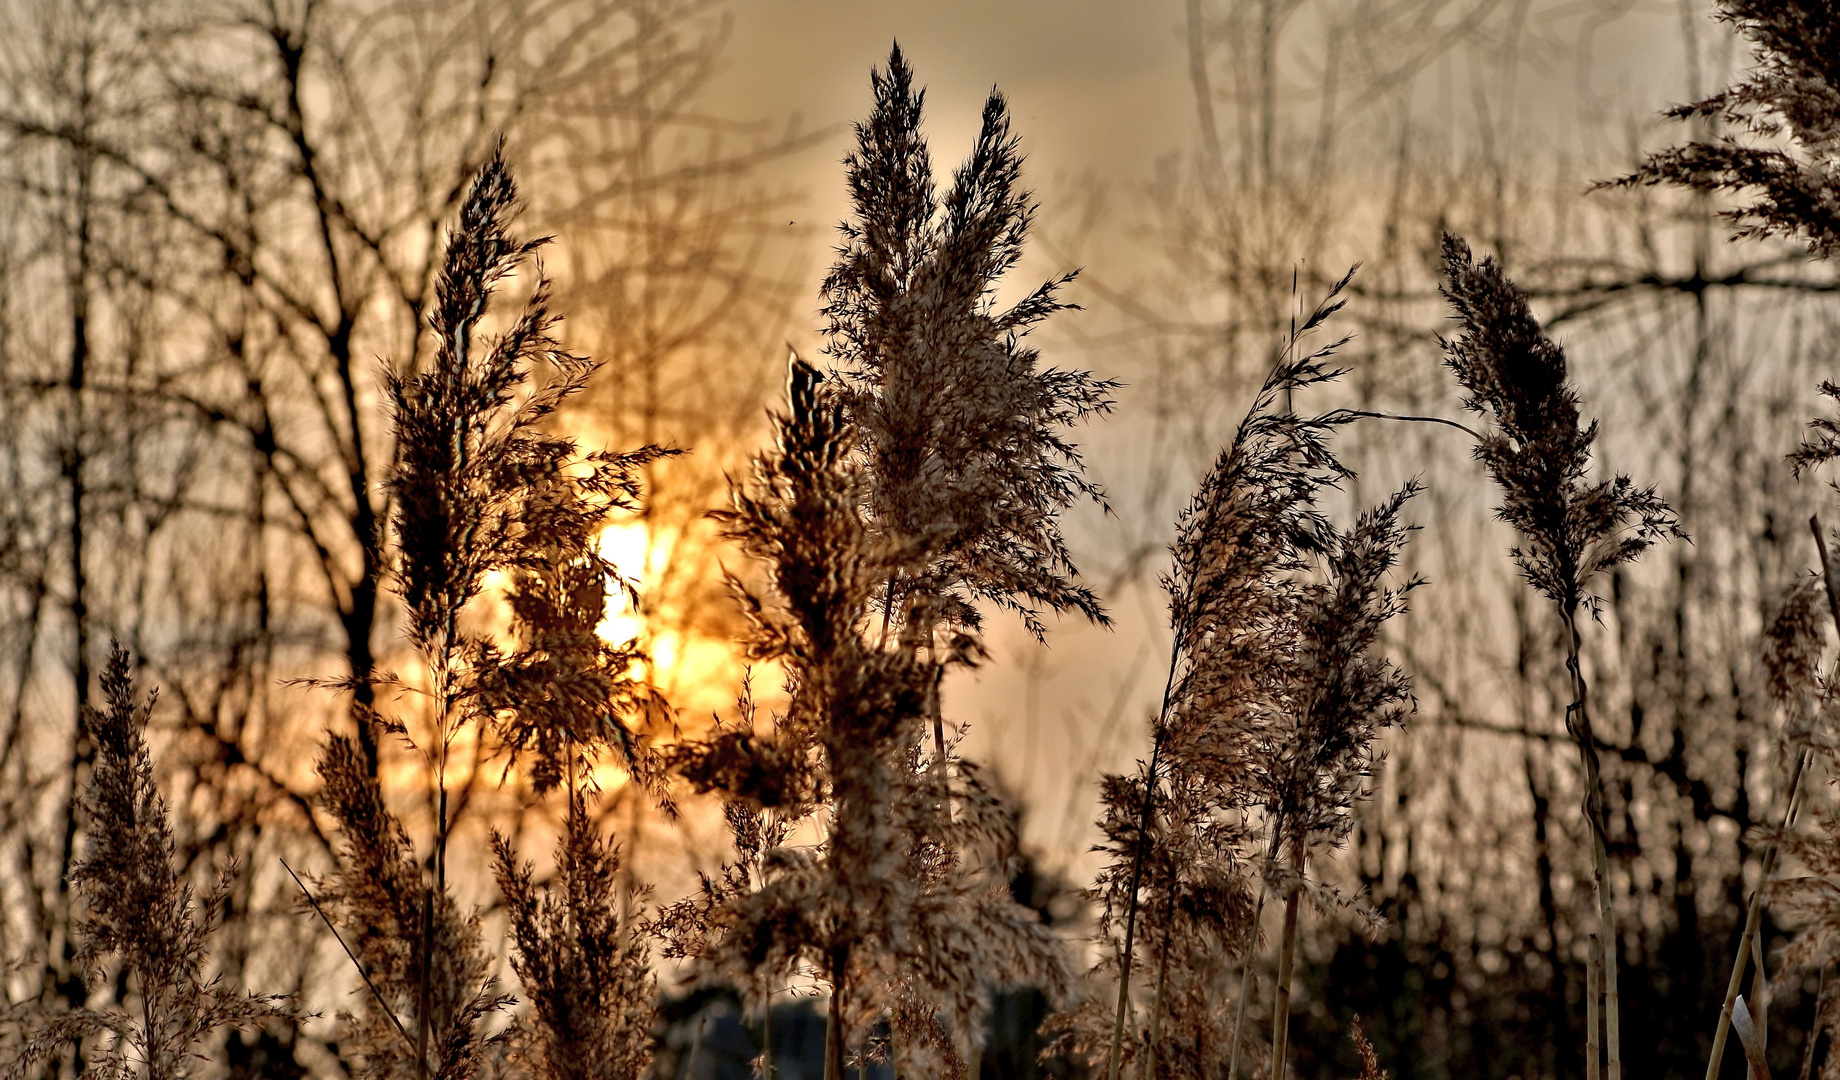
451,889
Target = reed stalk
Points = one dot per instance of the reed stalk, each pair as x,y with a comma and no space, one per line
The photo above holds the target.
1287,951
1753,917
834,1032
1578,719
1540,454
1130,919
1114,1061
766,1043
1245,985
1593,1008
1156,1009
1274,697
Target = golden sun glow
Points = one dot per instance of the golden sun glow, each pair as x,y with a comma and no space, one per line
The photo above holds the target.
628,547
696,671
640,555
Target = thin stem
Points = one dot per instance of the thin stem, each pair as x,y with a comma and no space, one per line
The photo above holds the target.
1821,1005
887,611
1245,984
362,974
833,1032
155,1059
1578,720
833,1052
939,730
423,964
1287,952
1339,413
1827,569
1137,866
766,1042
1593,1007
1156,1011
1753,918
696,1048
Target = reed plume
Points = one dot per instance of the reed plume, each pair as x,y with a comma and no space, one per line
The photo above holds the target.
1794,645
1364,1050
1315,761
1539,455
902,893
421,955
1780,150
1265,734
960,430
140,913
482,486
1771,142
584,969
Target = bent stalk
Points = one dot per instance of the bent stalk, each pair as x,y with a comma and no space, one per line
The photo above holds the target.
1578,718
1753,918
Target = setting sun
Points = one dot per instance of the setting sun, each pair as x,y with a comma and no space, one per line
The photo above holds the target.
680,662
629,548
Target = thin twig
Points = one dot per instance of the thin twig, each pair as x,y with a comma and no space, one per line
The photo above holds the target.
1337,414
336,936
1245,970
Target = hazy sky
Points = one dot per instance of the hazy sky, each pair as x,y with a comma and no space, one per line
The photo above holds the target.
1095,85
1101,87
1085,77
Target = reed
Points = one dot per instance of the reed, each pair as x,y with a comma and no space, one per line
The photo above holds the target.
906,900
960,429
923,476
1266,731
140,917
1775,148
586,972
1539,456
481,485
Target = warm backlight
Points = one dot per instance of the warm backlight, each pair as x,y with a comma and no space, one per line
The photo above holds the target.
641,556
629,548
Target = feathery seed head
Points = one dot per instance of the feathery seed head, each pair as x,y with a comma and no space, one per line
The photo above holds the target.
415,945
959,429
585,971
137,908
1539,455
1789,101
